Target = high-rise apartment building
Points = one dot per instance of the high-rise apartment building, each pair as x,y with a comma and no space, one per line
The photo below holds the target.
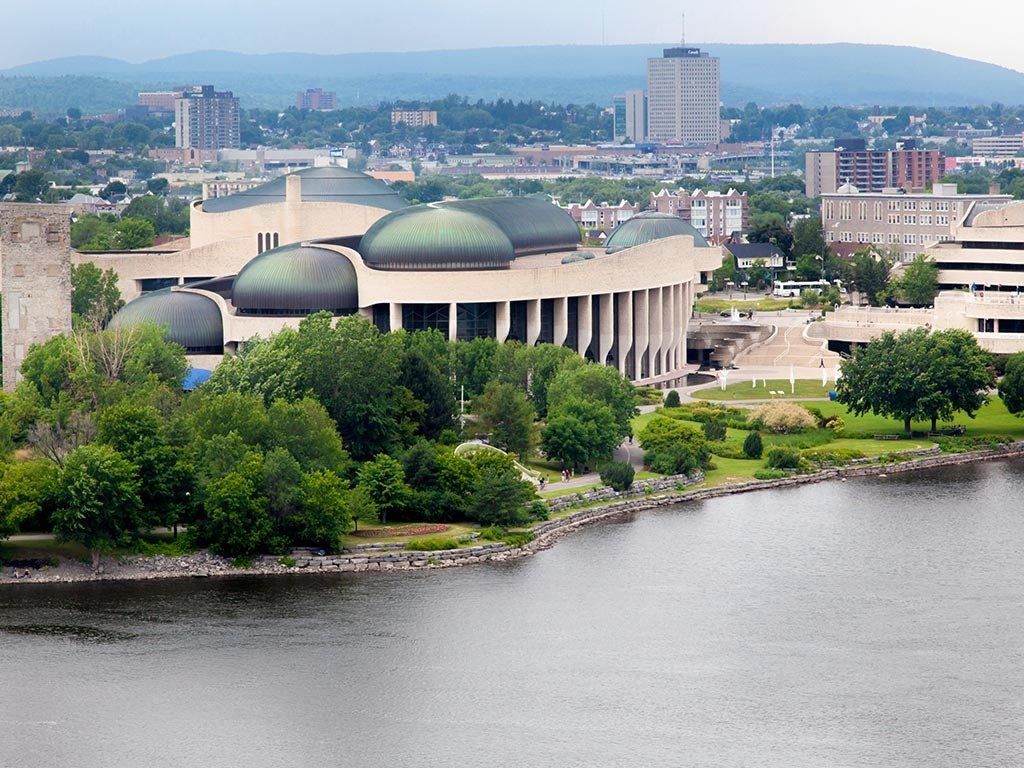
716,215
206,119
871,170
998,146
630,124
417,118
315,98
684,97
159,101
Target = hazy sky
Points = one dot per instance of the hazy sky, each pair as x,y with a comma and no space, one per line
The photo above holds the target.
137,30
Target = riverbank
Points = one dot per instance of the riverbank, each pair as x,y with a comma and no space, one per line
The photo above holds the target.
206,565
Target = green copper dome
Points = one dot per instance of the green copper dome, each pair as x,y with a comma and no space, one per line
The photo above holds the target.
192,320
532,224
436,237
296,280
330,184
645,227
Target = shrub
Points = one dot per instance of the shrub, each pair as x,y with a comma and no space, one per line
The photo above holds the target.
662,435
714,430
492,533
287,561
783,457
835,456
676,459
672,399
432,544
727,450
753,445
782,416
518,538
538,510
770,474
618,474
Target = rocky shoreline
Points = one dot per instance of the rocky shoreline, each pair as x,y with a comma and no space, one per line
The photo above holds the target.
203,564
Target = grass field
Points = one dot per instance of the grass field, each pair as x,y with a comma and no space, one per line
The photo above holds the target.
805,388
992,419
763,304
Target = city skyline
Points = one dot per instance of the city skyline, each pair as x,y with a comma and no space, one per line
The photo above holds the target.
135,34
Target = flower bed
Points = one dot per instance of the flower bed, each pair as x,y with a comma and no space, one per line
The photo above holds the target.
401,530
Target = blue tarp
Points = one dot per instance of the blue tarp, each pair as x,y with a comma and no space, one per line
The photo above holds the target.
194,378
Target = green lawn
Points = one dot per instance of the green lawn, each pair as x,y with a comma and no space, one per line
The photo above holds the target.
992,419
805,388
763,304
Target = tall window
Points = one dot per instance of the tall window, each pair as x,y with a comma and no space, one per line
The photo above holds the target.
475,321
422,317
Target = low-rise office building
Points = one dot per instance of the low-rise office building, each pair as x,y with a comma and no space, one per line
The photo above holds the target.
895,221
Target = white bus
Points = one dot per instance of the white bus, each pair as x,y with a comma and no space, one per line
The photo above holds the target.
792,288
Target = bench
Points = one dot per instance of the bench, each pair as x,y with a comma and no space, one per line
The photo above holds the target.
887,437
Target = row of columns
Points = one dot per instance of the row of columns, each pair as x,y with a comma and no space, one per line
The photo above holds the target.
652,323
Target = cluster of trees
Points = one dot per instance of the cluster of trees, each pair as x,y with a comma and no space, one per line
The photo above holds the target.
290,442
674,447
918,374
142,220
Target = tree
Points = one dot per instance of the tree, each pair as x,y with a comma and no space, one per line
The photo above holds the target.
1011,386
753,446
158,185
237,521
27,490
672,446
383,480
506,413
282,477
809,240
672,399
131,233
917,374
94,293
580,432
432,387
771,228
809,266
324,514
870,275
758,274
29,185
501,495
306,431
114,189
598,383
919,283
98,502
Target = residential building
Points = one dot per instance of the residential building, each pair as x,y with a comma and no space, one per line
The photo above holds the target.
871,170
416,118
206,119
598,221
748,254
630,124
716,215
159,102
895,221
315,98
998,146
684,97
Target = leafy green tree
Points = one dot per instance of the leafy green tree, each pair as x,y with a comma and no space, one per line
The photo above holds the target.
809,266
598,383
919,284
27,491
580,432
30,185
958,373
808,240
432,387
771,228
758,274
506,413
282,477
98,502
131,233
158,185
672,446
324,511
501,495
383,480
238,523
870,275
94,293
114,189
307,432
672,399
1011,386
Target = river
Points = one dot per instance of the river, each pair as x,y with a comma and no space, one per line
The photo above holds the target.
875,622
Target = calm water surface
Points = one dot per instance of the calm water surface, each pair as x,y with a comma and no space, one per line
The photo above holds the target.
868,623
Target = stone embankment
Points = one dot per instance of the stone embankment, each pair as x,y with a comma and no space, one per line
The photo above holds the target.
373,557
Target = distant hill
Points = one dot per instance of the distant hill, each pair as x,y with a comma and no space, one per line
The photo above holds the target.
769,74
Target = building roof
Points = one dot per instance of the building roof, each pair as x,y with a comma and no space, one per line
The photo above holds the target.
330,184
486,233
753,250
192,320
436,237
296,280
648,226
